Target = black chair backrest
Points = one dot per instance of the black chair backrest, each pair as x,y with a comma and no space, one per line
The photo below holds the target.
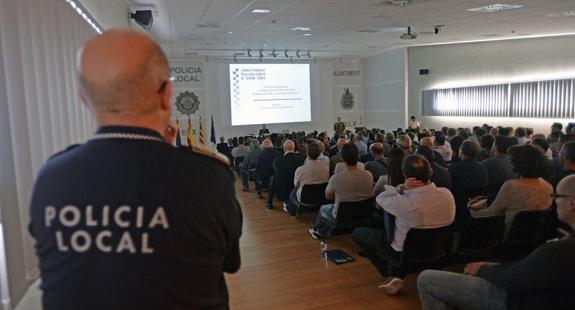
529,227
425,245
482,233
356,211
313,194
238,160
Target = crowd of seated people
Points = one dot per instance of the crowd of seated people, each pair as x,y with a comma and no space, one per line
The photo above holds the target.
423,178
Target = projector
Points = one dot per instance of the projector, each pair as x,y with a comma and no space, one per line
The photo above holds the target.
409,35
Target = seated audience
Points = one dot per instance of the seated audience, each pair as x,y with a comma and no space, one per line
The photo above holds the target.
334,159
544,145
394,176
313,172
521,135
249,164
240,151
437,155
378,166
360,143
554,143
529,192
443,148
349,185
468,178
322,158
404,143
416,204
284,171
455,143
486,142
543,280
566,162
440,176
264,167
499,167
341,166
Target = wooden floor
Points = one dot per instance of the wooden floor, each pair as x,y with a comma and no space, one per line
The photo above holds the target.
282,269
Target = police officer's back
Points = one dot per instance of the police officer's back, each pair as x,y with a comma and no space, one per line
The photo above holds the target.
126,221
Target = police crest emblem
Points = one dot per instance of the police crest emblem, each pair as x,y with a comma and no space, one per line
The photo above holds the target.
187,103
347,101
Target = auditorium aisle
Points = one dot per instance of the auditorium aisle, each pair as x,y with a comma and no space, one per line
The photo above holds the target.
282,269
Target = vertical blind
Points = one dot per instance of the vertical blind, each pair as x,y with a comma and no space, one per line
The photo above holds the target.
40,114
537,99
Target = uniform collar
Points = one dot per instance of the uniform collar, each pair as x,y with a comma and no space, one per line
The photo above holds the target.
129,130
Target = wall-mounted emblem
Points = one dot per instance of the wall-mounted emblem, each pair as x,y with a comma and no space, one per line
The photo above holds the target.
347,101
187,103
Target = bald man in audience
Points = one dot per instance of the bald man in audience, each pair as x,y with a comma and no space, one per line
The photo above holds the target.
284,172
378,166
437,157
124,220
543,280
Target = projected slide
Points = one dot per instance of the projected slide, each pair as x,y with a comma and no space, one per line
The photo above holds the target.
269,93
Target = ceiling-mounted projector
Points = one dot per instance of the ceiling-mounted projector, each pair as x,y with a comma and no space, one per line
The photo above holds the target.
409,35
144,18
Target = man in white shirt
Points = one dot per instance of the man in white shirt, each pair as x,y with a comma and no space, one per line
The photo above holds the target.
414,124
352,184
321,158
416,204
313,172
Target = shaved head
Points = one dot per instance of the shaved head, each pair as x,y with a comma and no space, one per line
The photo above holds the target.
566,201
426,141
122,72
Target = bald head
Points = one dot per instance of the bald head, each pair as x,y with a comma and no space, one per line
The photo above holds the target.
289,146
376,150
427,141
122,72
566,201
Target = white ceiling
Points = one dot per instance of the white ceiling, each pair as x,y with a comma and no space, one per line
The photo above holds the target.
201,27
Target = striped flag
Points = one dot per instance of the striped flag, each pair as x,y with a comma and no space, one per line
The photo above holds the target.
201,134
190,132
213,134
178,138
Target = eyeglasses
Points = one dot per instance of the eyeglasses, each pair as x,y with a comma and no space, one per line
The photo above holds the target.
555,196
163,86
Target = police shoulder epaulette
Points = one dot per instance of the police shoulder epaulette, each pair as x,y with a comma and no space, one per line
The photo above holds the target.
217,156
69,148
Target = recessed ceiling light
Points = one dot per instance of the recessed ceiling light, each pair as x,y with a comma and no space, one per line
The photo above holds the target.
495,8
307,34
261,11
301,28
229,32
265,45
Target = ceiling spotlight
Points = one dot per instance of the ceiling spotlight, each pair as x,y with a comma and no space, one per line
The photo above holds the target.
274,54
261,53
291,59
438,28
207,59
297,54
249,52
308,53
260,58
286,53
235,58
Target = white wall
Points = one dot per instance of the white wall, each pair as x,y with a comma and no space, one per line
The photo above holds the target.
108,13
458,65
384,90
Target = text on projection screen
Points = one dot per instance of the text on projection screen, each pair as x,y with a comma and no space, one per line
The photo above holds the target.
269,93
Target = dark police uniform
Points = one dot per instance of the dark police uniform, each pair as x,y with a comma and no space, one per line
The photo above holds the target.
127,221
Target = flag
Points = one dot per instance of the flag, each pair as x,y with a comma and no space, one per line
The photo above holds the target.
213,134
190,132
178,138
201,134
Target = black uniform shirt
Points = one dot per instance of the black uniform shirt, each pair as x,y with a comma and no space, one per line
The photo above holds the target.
127,221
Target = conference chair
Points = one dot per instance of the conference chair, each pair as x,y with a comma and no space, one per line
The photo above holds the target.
312,197
528,228
354,214
478,236
422,249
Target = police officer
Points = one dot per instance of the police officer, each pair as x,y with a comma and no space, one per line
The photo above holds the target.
127,221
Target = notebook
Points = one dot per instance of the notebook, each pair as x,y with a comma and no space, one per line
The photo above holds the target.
339,257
